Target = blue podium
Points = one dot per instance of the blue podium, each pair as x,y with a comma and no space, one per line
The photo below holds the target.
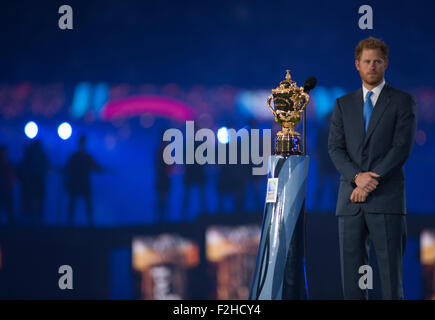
280,266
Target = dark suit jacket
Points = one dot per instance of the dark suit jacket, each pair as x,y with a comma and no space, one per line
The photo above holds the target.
383,150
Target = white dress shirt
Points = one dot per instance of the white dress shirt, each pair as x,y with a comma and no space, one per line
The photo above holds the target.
376,92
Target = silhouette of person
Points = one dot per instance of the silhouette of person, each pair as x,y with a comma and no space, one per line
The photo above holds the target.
194,176
256,183
78,171
326,167
7,177
32,173
164,172
230,183
232,180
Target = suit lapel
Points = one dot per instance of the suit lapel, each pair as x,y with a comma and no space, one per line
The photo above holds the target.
359,118
378,111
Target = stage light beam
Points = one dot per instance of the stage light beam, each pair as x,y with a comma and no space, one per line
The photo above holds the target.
64,131
31,129
223,135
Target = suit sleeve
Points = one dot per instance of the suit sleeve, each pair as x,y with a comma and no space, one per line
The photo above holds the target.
337,146
403,139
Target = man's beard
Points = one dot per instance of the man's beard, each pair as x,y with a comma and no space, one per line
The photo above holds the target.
374,80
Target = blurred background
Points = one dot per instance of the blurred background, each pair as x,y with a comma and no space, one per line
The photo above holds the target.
82,117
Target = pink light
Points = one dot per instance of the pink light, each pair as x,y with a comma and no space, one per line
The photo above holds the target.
138,105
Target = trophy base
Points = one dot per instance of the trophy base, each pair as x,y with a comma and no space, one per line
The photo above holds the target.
287,144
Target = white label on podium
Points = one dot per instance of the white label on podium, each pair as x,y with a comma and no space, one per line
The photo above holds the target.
272,190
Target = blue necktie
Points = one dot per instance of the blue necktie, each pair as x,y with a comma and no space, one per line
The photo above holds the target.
368,108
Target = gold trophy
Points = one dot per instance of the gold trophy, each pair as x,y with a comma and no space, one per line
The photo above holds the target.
290,102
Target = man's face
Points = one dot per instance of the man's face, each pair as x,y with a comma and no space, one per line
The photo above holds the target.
371,67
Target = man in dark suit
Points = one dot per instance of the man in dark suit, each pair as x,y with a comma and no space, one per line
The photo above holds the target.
371,135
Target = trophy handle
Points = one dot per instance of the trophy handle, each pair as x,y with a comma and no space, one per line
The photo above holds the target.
268,104
307,99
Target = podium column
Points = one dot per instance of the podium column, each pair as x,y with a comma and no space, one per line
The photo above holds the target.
280,266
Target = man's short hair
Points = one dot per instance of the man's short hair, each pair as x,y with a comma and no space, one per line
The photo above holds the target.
371,43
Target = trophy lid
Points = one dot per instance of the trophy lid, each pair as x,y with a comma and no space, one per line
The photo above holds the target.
285,86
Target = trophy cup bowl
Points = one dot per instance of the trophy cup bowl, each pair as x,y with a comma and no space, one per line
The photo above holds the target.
289,104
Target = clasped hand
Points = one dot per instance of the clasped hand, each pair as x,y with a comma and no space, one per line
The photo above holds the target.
365,183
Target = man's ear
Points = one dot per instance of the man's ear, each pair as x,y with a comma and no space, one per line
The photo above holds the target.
357,64
386,64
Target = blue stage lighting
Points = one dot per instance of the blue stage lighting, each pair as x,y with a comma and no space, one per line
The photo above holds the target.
31,129
223,135
64,130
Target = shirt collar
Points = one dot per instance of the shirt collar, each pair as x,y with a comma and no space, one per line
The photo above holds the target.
376,91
